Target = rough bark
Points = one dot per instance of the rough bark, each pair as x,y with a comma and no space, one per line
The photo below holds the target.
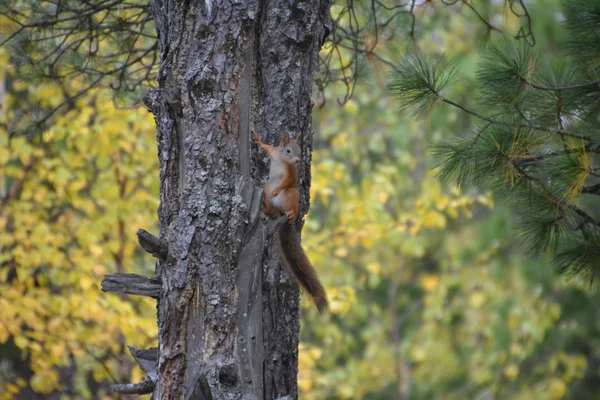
291,34
227,313
131,284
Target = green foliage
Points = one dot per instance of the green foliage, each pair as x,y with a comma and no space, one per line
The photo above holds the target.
539,146
425,300
578,258
504,74
542,229
455,161
583,23
431,295
420,85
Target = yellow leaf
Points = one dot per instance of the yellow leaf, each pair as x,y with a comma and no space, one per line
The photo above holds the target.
557,389
383,197
452,213
511,371
316,353
351,107
96,250
341,252
555,311
374,268
21,342
430,282
476,299
414,229
12,388
434,219
304,384
418,354
86,282
368,242
99,270
44,382
516,349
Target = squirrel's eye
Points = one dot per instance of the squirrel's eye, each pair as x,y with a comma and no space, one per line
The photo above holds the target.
289,151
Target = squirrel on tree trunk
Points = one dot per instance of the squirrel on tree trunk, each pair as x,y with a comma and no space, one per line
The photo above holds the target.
282,197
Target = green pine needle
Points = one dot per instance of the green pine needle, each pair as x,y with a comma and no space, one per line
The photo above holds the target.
582,19
455,161
419,83
570,171
580,258
491,159
543,231
556,108
505,73
526,152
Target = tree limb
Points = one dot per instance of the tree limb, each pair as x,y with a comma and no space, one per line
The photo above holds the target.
132,284
594,189
144,387
152,244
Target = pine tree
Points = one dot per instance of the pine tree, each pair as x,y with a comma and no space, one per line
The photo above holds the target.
227,318
538,136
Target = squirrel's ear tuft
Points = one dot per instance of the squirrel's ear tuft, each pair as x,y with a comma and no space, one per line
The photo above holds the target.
296,140
286,138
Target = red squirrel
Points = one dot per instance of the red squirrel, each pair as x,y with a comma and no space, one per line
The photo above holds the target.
282,197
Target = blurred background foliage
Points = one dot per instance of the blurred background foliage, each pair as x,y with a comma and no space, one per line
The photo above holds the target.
431,295
72,199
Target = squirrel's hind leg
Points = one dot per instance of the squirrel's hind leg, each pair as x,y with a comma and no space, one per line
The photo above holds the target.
292,204
267,209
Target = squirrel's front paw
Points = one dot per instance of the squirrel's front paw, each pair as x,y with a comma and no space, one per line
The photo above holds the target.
291,215
255,138
275,193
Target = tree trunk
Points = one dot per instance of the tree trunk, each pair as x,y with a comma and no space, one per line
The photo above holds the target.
227,315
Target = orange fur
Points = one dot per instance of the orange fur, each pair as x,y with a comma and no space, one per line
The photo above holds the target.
265,147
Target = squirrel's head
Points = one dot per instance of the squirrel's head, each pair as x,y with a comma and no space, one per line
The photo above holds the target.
289,151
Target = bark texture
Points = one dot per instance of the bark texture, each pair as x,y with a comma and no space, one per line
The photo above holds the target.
291,34
227,313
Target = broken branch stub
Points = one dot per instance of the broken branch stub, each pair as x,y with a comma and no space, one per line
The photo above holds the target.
144,387
152,244
132,284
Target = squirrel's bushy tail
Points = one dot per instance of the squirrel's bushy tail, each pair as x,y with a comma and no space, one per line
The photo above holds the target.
299,266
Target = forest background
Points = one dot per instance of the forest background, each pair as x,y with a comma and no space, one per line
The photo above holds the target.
432,295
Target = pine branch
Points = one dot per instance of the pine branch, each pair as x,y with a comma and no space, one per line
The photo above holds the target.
560,132
594,189
582,18
419,83
587,219
544,174
580,257
536,160
564,88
